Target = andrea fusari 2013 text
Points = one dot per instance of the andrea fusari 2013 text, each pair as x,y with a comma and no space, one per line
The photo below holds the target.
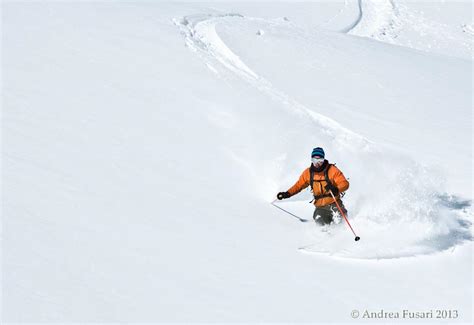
413,314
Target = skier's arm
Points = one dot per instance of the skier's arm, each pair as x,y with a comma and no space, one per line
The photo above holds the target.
302,183
340,181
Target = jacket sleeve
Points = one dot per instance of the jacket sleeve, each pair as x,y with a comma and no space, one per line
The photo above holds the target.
340,180
301,184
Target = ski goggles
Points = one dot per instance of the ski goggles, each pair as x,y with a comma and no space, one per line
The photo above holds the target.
316,160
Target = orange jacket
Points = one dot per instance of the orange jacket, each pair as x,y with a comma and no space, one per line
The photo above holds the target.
335,176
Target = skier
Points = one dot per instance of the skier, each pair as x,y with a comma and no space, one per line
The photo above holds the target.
323,177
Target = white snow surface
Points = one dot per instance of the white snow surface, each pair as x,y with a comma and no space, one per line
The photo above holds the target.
142,145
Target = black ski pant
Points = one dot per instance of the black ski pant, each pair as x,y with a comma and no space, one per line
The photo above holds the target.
324,215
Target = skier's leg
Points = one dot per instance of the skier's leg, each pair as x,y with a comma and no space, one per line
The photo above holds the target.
336,211
323,215
342,206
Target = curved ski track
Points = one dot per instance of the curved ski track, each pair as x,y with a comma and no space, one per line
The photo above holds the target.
201,37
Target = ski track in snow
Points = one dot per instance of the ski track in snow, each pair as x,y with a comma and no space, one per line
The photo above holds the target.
358,19
384,21
376,18
201,37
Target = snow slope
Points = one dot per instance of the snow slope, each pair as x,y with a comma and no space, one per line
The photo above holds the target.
442,27
142,144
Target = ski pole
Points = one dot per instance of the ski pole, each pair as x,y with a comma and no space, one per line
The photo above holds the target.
276,206
340,210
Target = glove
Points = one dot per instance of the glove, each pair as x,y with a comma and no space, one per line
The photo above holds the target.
283,195
333,189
